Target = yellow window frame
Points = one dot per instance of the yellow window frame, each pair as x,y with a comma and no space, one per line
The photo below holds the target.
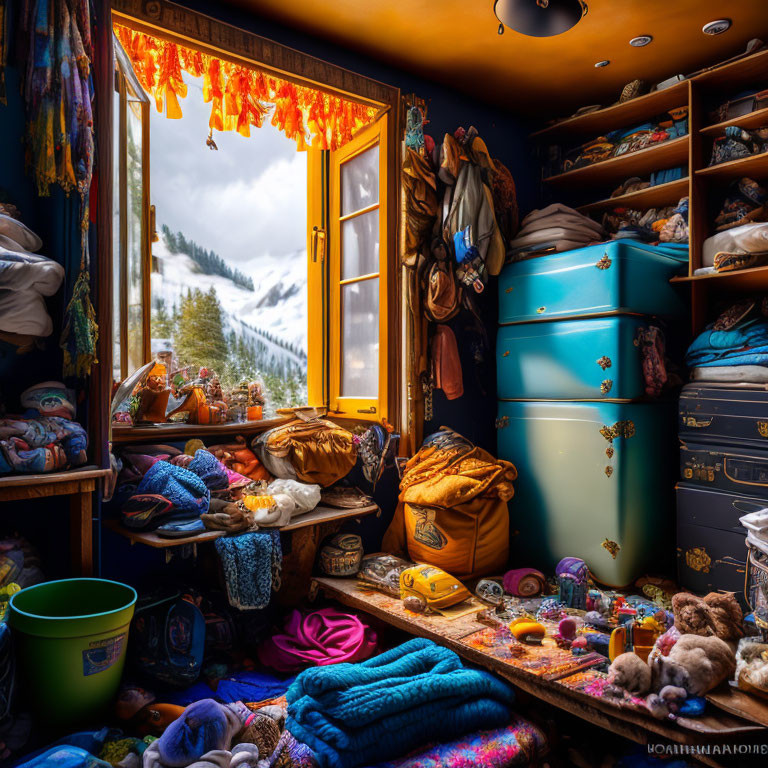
375,407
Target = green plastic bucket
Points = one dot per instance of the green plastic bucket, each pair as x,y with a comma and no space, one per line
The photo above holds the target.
70,638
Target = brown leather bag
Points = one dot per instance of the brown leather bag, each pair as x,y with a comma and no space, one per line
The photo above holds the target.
442,295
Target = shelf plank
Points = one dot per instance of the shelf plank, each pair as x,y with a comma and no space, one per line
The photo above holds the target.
625,115
755,165
67,476
652,197
741,72
668,154
752,279
316,516
165,432
756,119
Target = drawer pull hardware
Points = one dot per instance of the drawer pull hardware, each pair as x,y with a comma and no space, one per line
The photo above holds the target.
502,421
692,421
506,354
604,263
372,409
604,362
605,387
762,428
624,429
541,310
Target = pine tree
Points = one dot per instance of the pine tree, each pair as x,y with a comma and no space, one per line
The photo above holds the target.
200,336
162,323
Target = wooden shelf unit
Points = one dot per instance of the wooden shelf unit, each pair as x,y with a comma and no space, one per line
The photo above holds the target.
170,432
705,186
317,516
666,154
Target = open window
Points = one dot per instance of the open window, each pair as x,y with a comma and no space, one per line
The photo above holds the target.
341,361
131,224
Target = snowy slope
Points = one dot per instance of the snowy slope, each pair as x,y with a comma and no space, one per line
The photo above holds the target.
277,307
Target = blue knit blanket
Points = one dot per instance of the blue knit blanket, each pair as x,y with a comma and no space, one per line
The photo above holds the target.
252,564
418,693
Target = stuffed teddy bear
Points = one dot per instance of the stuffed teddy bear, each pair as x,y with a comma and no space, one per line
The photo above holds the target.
716,614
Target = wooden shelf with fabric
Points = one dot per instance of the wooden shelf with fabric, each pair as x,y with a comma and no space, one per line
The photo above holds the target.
80,485
755,166
317,516
123,435
651,197
623,115
666,154
751,120
752,279
639,726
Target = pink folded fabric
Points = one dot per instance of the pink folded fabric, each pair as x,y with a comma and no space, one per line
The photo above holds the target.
325,636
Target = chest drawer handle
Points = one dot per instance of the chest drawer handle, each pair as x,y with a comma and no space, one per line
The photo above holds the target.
692,421
541,310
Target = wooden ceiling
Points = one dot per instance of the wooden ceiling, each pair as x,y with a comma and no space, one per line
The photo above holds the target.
456,42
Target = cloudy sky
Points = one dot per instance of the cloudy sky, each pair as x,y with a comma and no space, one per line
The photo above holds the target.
247,199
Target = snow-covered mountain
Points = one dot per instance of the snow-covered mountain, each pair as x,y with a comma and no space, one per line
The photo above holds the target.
275,313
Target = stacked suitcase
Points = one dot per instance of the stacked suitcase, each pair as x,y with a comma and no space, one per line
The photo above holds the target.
593,459
723,432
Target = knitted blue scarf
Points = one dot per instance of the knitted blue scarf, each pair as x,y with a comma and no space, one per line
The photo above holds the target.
418,693
252,563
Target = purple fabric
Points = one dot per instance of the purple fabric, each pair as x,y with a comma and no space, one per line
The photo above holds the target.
322,637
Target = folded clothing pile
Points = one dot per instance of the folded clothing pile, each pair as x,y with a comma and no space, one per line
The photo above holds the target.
736,248
311,451
554,228
38,445
167,494
738,143
418,693
756,524
745,202
25,279
654,225
735,347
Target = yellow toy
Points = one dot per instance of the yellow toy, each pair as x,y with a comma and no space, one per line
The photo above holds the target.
431,587
528,630
638,637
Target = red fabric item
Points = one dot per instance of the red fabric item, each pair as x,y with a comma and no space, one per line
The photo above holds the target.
446,366
322,637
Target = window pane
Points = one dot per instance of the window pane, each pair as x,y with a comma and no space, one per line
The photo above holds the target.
116,324
360,181
360,245
360,339
135,187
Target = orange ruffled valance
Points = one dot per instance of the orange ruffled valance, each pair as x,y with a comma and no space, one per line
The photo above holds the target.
241,96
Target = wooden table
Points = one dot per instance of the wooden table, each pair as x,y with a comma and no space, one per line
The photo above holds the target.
79,485
628,723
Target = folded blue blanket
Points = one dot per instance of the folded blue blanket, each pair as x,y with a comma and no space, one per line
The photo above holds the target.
744,344
355,714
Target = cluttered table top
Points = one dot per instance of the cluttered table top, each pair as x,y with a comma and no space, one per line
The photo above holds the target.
549,673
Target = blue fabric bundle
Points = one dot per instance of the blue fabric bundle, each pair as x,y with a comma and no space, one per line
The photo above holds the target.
209,469
744,344
184,489
418,693
252,563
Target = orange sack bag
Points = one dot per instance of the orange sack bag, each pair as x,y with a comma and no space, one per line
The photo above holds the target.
452,511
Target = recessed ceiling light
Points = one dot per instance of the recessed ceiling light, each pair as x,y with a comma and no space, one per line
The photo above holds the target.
716,27
603,63
641,41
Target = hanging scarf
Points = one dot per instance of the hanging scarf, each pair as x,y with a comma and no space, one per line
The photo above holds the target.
56,45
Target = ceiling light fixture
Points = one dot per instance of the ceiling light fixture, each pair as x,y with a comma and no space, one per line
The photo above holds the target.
641,41
716,27
539,18
603,63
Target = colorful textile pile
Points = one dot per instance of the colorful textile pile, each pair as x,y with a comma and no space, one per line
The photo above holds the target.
319,638
252,563
47,444
519,743
417,693
55,43
241,96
